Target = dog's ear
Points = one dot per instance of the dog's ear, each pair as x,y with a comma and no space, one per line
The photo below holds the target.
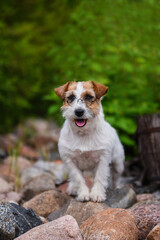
100,89
60,91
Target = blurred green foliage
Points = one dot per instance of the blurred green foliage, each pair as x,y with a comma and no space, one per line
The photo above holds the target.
44,43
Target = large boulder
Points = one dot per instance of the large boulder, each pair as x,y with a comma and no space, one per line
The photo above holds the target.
44,203
16,220
148,215
63,228
110,224
79,210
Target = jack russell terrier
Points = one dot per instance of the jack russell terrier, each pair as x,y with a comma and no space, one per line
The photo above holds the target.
87,141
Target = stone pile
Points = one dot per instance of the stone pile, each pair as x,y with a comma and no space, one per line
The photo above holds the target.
34,205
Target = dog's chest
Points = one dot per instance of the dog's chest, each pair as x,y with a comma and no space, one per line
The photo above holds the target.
86,160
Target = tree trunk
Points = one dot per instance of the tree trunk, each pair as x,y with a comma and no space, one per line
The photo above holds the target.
149,146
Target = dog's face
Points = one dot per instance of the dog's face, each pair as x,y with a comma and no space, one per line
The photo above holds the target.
81,100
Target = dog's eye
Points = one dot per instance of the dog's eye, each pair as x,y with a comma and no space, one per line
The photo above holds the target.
88,98
71,98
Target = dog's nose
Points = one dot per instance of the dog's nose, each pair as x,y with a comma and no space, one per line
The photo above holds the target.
79,112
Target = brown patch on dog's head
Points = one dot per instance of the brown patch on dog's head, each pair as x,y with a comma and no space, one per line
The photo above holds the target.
72,86
88,85
94,91
99,89
69,86
60,91
65,91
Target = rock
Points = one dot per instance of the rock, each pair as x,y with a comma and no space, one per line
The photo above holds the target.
7,223
10,196
58,213
19,162
7,173
123,197
79,210
148,215
145,197
155,233
31,173
63,187
12,167
55,156
151,188
110,224
40,126
157,195
63,228
40,134
58,169
49,142
4,186
16,220
28,152
46,202
3,154
38,185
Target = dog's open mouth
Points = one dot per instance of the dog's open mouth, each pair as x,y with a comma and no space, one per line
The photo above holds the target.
80,122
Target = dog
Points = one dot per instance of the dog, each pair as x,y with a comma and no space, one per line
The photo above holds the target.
87,141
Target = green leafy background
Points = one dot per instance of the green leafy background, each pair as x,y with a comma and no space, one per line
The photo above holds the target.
44,43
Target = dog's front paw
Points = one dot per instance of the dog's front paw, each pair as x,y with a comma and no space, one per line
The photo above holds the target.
97,195
83,195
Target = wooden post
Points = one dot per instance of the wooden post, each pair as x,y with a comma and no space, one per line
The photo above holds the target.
149,146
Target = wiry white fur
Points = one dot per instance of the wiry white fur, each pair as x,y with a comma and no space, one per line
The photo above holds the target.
94,146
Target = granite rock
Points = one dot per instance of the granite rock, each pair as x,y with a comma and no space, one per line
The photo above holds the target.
28,152
148,215
57,169
38,185
44,203
10,196
19,162
32,172
110,224
7,223
145,197
4,186
63,228
123,197
79,210
16,220
155,233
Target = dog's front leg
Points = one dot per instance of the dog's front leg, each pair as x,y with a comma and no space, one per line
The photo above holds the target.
77,183
98,191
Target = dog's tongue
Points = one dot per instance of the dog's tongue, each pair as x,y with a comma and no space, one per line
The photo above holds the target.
80,122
